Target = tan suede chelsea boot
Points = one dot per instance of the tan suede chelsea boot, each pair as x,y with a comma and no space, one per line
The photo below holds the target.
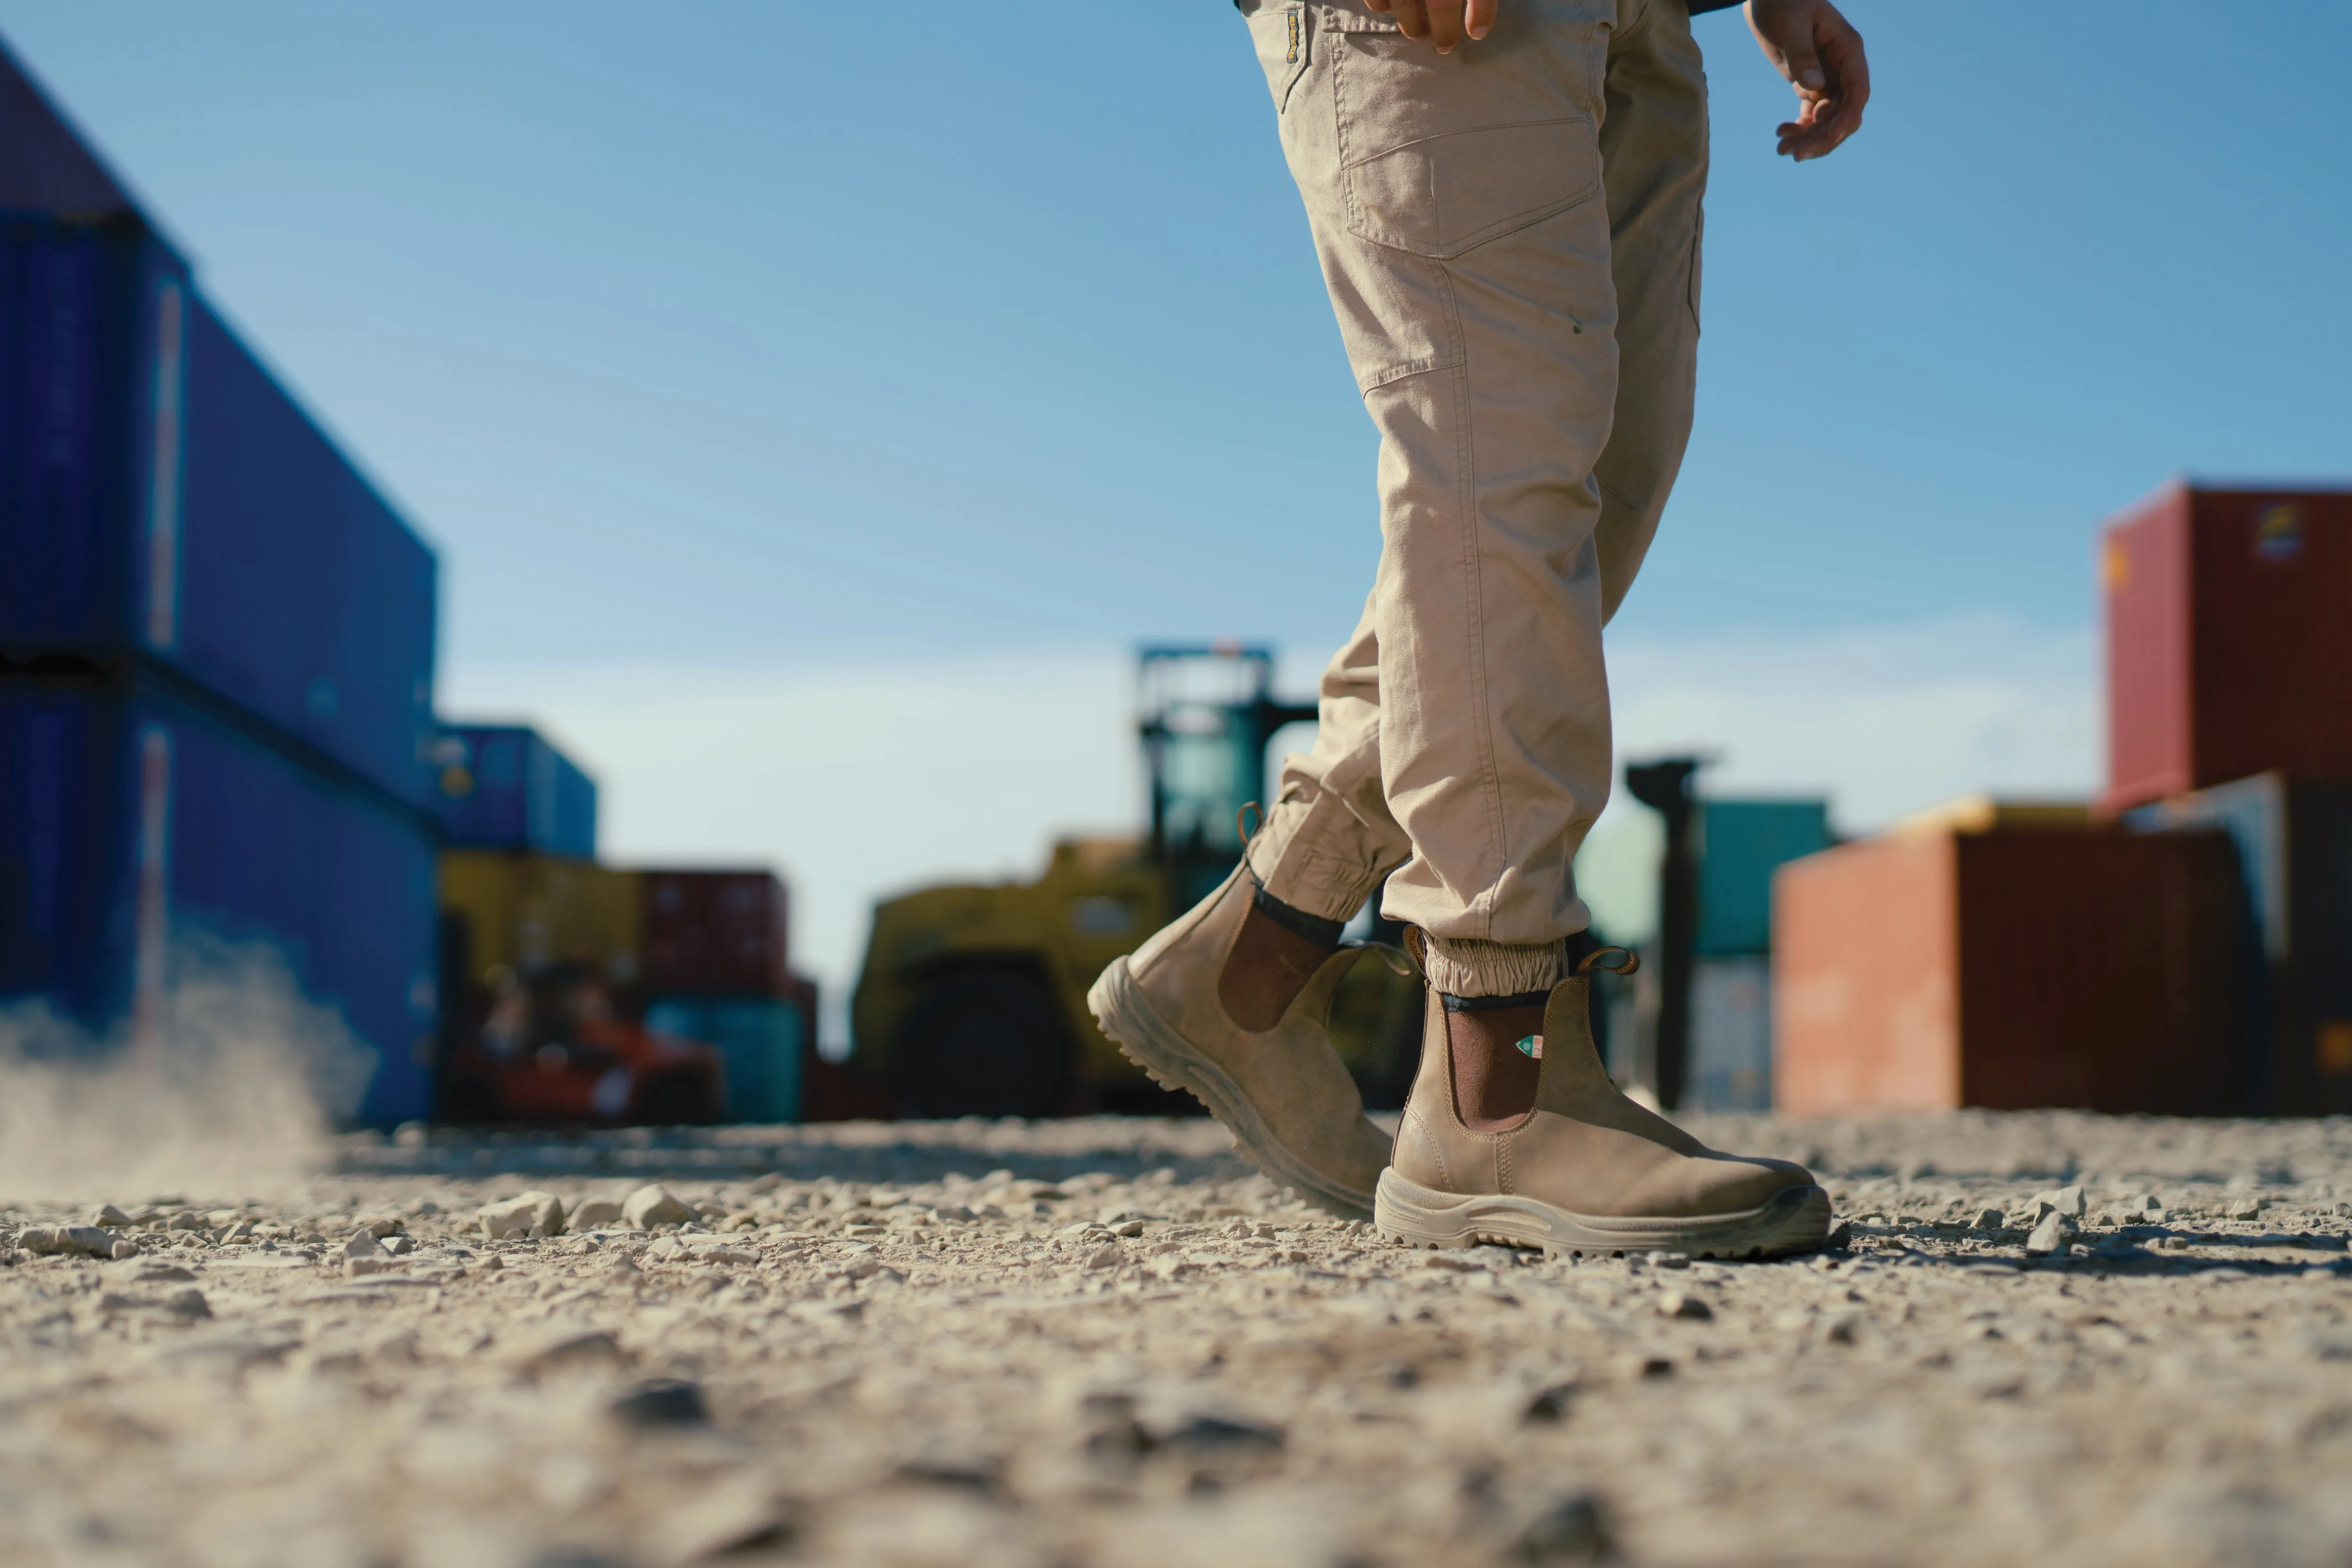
1587,1170
1282,1091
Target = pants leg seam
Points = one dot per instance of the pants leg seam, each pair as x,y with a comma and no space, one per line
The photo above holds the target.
1490,781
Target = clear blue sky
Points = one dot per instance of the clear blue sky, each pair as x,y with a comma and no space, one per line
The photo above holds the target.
856,362
732,330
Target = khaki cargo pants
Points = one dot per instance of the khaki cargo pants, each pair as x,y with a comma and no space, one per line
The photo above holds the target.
1511,238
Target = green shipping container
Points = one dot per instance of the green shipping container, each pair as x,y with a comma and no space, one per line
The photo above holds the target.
1741,843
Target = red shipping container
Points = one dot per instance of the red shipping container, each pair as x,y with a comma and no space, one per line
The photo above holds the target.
715,933
2229,631
2010,969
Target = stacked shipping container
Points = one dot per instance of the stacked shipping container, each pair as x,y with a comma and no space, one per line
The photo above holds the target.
167,503
2291,840
1976,962
717,968
1734,847
1741,843
2196,957
504,786
130,820
216,641
2229,637
2228,616
699,955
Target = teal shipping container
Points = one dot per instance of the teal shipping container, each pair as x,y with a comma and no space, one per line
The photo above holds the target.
1741,843
759,1039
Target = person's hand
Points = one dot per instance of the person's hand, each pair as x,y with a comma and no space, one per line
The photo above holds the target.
1821,54
1443,23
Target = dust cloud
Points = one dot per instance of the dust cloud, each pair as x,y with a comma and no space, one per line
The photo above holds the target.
232,1094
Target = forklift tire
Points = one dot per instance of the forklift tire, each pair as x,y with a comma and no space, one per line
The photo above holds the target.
675,1101
467,1100
985,1042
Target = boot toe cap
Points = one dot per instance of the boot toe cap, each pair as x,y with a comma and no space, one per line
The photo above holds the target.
1735,1182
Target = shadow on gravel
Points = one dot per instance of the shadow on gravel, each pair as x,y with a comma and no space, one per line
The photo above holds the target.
898,1152
2134,1261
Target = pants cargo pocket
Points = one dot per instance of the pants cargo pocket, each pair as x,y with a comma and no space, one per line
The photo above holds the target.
1415,178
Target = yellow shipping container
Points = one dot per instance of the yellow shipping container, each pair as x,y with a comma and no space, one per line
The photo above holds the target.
528,911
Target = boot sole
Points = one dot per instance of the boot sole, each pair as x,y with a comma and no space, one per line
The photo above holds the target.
1127,1017
1796,1219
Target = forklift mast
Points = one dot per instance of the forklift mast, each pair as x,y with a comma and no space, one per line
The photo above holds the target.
1206,714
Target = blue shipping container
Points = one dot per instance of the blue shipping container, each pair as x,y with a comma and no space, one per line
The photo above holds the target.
129,821
1730,1034
162,498
1742,843
759,1039
502,787
81,429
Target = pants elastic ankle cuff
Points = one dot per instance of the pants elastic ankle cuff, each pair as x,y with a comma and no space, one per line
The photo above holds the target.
1494,1004
1492,968
1297,923
1319,880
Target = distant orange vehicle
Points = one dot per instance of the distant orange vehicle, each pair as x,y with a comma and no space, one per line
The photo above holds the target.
555,1050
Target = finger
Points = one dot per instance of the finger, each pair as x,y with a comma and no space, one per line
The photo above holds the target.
1478,18
1444,24
1848,64
1808,126
1802,67
1818,133
1848,67
1413,18
1807,131
1826,133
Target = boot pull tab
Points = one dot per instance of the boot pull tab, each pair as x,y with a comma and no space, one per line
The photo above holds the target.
1242,823
1402,962
1593,961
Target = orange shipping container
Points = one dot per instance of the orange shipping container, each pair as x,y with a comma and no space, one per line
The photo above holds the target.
1981,963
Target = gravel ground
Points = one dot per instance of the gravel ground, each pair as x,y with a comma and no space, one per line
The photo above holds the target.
1107,1342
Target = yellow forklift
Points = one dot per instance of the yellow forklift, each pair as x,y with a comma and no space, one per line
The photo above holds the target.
973,998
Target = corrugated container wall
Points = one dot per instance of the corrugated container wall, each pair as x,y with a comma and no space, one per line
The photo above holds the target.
129,823
84,421
2011,969
2294,838
715,934
2229,639
162,497
301,595
502,787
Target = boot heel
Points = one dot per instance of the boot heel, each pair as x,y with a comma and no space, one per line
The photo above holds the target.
1129,1019
1403,1214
